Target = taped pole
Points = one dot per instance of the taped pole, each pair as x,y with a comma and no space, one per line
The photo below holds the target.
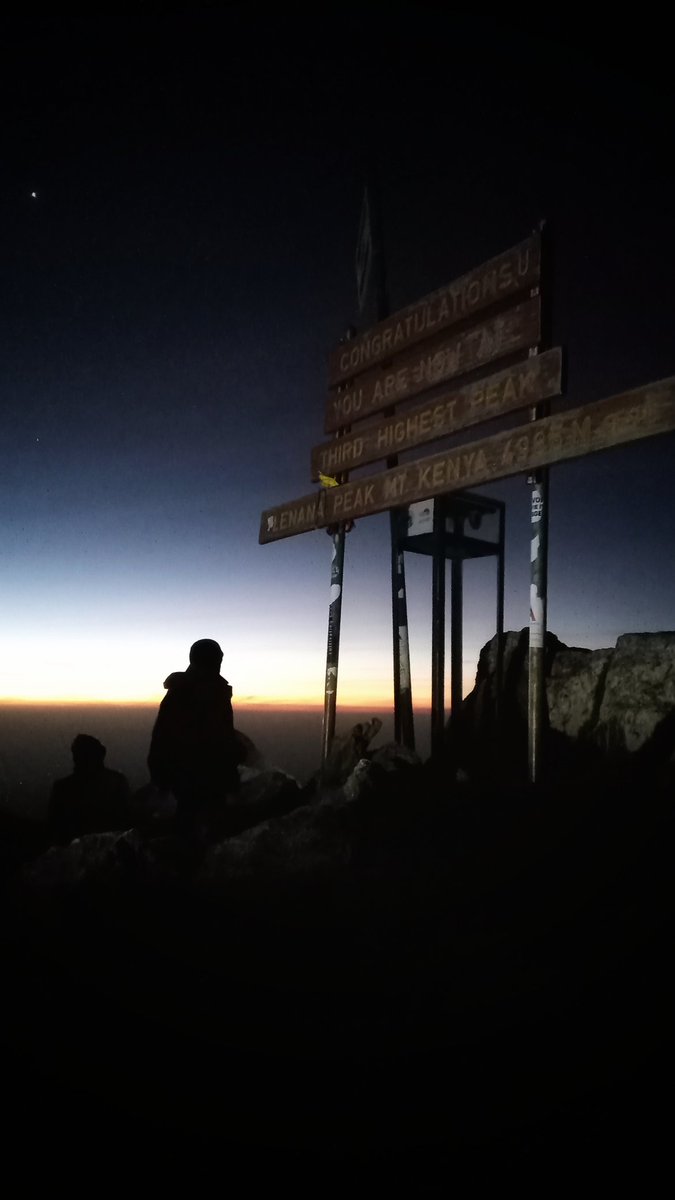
536,697
538,598
404,724
500,611
456,621
333,647
438,630
338,534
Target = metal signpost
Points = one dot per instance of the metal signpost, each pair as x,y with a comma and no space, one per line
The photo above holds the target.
404,727
536,685
516,387
627,417
437,529
338,535
333,647
418,352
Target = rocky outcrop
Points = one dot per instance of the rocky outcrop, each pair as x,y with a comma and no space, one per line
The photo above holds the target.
277,831
312,840
346,750
574,686
639,692
602,705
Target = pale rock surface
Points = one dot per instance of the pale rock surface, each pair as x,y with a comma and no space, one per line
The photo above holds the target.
572,689
639,691
612,702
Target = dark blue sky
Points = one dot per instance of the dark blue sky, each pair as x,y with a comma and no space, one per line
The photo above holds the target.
170,295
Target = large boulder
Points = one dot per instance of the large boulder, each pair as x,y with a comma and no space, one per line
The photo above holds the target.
487,737
313,840
602,706
573,689
638,694
276,832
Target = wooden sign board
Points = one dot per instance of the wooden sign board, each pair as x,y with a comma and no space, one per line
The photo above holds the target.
499,279
515,387
437,361
628,417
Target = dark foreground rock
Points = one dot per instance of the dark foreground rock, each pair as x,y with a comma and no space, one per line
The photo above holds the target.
395,965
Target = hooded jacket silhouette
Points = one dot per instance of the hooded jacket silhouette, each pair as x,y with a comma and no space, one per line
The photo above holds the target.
194,751
93,799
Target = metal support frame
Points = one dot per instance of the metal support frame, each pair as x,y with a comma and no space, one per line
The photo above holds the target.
440,544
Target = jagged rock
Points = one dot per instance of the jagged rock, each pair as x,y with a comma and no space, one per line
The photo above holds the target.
108,857
264,788
347,749
573,688
263,794
394,757
363,780
487,738
317,838
602,705
639,692
310,840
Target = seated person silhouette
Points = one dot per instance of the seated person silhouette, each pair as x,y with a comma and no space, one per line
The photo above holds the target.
93,799
194,750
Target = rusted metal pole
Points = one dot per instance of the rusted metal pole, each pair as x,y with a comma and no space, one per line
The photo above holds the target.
536,698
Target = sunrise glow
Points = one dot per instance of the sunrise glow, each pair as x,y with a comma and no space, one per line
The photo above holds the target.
131,670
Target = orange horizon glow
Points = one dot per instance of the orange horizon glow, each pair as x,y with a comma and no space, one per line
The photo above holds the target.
130,671
378,705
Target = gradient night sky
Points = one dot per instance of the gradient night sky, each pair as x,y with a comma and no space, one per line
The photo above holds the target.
170,295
